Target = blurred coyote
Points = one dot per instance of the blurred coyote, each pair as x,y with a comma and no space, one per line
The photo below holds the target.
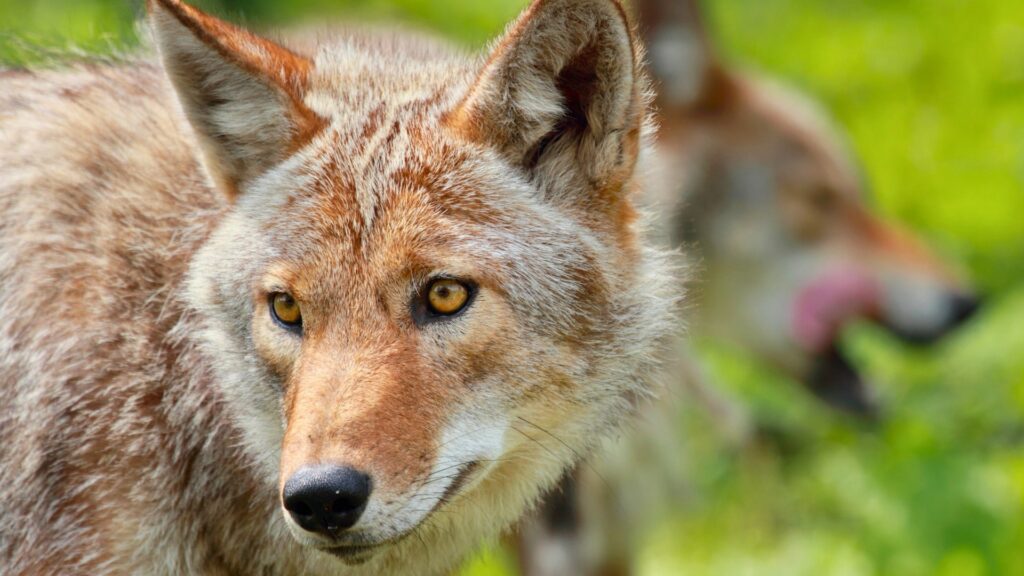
270,312
757,182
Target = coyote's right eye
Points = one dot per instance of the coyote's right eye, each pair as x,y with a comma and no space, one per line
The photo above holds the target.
286,311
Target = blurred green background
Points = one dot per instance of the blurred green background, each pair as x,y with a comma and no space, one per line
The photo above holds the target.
931,93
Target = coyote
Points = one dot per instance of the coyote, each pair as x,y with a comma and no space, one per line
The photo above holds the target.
337,313
761,188
760,183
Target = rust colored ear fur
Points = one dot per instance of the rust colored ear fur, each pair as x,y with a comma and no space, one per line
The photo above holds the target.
562,97
242,93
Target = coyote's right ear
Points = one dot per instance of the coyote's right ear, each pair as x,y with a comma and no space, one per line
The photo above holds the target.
682,57
242,93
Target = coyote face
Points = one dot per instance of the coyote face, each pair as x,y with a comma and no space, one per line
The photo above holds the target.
429,292
767,192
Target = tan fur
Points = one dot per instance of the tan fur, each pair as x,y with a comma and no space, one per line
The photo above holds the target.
153,407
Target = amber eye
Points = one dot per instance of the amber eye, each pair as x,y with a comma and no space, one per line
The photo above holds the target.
286,310
446,296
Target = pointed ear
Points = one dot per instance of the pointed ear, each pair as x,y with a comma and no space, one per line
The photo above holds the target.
562,96
242,93
684,63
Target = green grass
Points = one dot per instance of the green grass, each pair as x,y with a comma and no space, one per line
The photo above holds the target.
931,93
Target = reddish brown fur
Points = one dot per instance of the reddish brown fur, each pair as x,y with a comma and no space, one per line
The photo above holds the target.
157,408
286,69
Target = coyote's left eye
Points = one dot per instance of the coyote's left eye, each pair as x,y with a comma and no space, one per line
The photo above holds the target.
447,296
442,299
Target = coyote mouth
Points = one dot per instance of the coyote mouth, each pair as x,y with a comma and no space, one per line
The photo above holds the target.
353,554
837,382
826,305
824,308
360,552
461,480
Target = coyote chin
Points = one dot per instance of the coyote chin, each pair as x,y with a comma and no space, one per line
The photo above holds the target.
345,312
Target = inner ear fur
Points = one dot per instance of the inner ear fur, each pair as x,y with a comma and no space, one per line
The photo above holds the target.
562,96
243,94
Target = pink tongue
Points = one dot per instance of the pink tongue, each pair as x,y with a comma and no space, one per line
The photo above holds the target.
825,304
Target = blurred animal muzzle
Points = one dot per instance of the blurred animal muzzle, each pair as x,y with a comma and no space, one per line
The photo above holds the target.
961,307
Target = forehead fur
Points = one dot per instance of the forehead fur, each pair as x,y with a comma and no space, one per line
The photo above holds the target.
387,190
419,204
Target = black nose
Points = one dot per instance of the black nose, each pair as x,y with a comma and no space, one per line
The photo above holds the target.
963,307
326,498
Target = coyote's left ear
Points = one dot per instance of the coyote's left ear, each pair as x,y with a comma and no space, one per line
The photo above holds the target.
242,93
562,97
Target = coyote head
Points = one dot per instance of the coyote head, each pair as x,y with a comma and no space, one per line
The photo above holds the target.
768,192
427,293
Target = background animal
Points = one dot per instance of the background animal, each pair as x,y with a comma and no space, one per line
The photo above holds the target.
761,188
316,313
759,180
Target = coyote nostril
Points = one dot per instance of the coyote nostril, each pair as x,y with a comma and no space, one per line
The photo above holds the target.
327,498
963,307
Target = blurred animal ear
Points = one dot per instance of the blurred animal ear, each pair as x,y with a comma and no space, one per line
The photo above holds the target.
562,97
683,60
241,93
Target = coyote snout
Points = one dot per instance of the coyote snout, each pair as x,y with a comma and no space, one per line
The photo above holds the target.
370,448
860,268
